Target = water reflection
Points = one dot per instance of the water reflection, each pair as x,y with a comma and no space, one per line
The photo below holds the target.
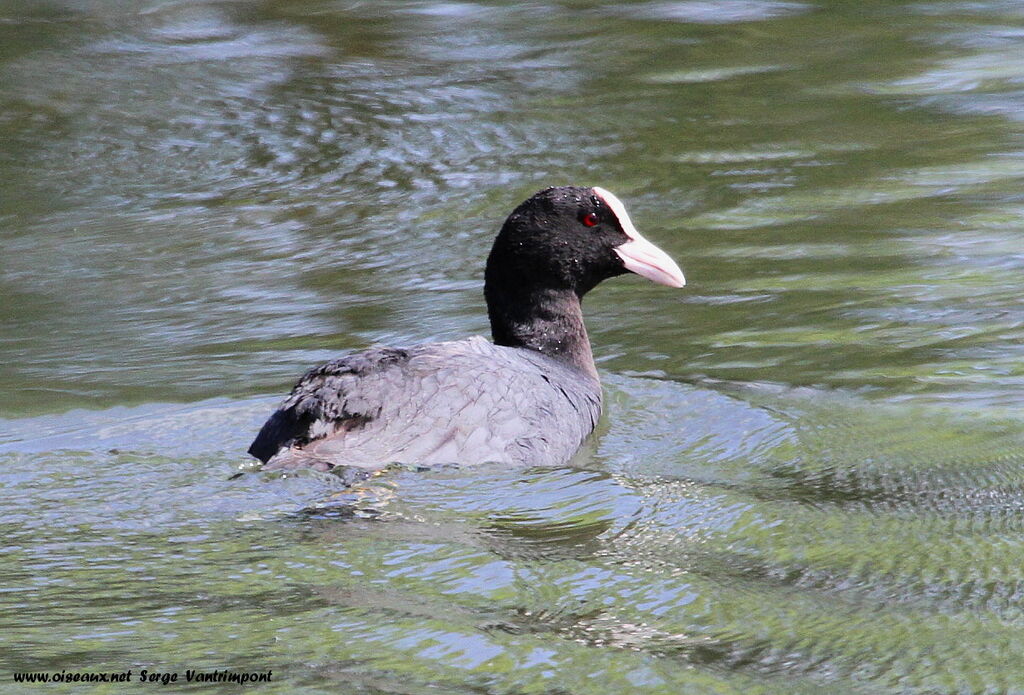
807,479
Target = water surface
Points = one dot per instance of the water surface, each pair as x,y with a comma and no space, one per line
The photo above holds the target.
810,474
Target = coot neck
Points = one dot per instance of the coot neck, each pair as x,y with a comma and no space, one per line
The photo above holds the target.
548,320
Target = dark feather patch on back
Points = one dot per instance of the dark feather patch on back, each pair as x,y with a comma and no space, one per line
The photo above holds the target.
320,404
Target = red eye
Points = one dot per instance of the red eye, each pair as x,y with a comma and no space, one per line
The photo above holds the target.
590,219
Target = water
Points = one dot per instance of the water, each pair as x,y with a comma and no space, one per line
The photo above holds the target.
810,474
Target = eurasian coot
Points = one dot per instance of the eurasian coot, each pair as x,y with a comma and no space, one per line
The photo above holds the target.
532,396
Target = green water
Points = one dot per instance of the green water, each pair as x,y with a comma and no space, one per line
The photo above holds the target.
810,474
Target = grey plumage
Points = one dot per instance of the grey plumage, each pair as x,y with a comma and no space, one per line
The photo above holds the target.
466,402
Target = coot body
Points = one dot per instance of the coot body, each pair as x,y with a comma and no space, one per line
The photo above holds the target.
530,397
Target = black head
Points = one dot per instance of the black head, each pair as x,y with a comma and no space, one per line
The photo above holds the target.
553,249
572,238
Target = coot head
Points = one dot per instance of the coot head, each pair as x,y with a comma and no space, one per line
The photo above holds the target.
554,248
573,238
